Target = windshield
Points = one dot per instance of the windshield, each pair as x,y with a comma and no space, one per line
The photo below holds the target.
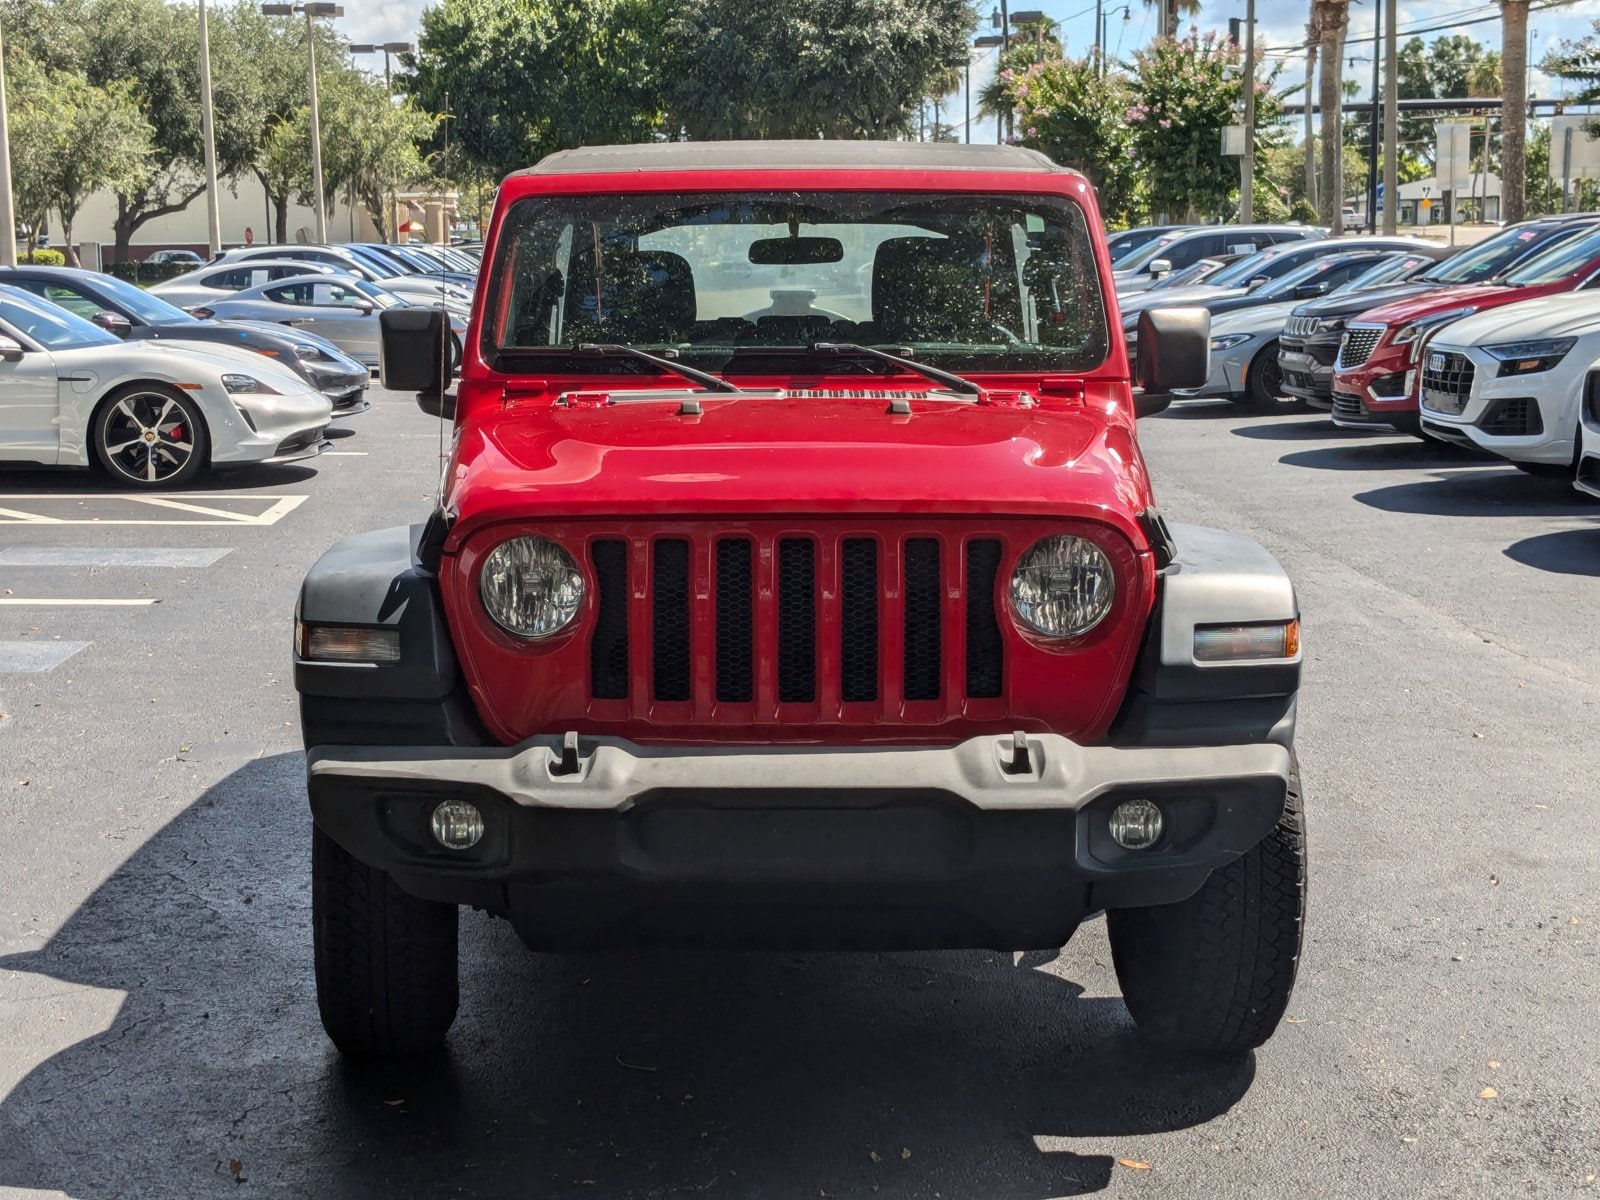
1389,270
379,295
1285,284
1124,246
1490,257
967,282
152,310
1559,261
51,327
1189,276
1267,262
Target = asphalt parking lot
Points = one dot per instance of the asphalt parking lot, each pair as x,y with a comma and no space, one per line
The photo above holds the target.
158,1030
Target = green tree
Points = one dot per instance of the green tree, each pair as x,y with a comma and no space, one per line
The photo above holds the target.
369,144
522,78
73,139
1069,111
1579,62
1184,92
809,68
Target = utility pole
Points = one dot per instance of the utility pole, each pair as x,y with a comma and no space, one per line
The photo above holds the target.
319,200
1391,122
1372,127
1247,161
8,214
1099,35
1005,49
208,137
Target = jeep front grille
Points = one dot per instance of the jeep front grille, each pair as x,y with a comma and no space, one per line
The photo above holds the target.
773,623
1357,346
1300,327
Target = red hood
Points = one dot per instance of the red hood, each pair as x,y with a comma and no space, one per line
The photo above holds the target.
778,456
1403,312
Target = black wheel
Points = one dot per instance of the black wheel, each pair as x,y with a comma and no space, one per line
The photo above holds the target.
150,435
385,961
1213,973
1263,385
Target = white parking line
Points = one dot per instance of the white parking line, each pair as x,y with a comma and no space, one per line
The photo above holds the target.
76,602
120,556
17,658
37,510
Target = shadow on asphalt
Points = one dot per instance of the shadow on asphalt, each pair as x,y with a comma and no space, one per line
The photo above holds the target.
1380,456
1492,493
1314,427
778,1075
339,432
1199,410
1570,552
46,480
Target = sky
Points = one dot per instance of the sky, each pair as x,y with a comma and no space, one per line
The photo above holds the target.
1281,25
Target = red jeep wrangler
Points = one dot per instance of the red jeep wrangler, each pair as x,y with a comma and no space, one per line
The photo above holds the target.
797,582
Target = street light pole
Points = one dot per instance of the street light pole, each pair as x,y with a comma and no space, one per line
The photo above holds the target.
1391,122
316,9
8,214
1247,161
208,137
320,206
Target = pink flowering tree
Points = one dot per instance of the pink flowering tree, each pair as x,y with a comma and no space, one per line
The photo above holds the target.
1068,110
1183,92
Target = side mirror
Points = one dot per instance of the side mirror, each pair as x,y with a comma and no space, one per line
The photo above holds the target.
437,405
414,349
10,350
113,323
366,307
1160,266
1255,283
1307,291
1174,351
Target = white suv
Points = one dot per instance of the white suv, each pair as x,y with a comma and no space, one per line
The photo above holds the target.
1512,380
1588,478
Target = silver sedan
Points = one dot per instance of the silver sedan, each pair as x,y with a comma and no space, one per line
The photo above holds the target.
342,309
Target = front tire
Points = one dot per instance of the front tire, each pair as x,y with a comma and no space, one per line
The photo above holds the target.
150,435
1214,973
385,960
1264,384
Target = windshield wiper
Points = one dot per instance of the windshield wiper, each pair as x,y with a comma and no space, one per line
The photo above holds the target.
955,383
704,378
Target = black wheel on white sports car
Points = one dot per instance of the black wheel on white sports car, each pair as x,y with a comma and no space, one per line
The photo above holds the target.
150,435
1263,386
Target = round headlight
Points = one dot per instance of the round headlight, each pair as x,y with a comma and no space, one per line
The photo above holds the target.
1063,587
531,587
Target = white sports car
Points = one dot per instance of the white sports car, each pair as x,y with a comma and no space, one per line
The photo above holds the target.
1513,380
153,413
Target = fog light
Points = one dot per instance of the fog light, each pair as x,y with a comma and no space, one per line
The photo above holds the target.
1136,824
457,825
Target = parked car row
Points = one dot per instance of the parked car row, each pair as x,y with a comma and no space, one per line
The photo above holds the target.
1496,347
243,361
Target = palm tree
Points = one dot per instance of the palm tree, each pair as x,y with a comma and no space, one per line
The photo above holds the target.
1313,42
1172,10
1514,110
1333,20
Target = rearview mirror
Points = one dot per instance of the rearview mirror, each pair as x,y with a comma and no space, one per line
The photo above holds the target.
414,349
10,350
1160,266
796,251
1174,350
113,323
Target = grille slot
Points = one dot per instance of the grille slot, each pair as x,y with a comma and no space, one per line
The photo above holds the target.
735,622
1447,381
985,650
669,619
1347,406
797,621
608,646
923,640
858,620
1358,346
1517,417
1592,398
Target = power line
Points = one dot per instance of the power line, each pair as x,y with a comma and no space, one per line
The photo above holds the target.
1453,23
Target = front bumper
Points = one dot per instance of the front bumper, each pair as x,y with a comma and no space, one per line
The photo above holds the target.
600,841
1306,378
262,429
1228,369
1385,386
1526,418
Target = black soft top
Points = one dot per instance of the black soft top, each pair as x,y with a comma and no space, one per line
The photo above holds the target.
793,156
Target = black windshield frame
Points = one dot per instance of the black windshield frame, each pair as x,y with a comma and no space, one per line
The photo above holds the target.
1055,245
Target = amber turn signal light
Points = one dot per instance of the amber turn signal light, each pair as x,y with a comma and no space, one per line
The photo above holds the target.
1247,643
